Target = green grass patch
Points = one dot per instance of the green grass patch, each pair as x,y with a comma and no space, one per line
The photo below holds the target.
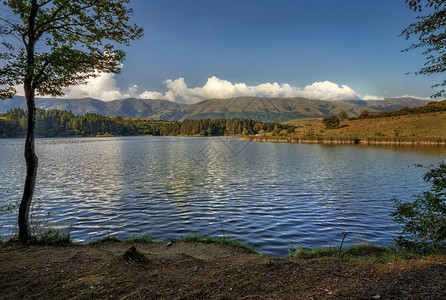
109,239
195,238
54,237
308,253
49,237
142,239
364,253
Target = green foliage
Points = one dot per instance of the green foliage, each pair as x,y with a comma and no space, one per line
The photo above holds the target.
424,219
365,114
363,253
64,42
431,33
306,253
331,122
54,122
434,106
143,239
54,237
343,115
195,238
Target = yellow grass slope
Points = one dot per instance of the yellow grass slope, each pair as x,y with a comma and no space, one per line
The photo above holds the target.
427,128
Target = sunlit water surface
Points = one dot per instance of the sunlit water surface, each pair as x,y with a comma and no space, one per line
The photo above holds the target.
268,195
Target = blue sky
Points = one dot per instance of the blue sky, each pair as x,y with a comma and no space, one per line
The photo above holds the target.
324,49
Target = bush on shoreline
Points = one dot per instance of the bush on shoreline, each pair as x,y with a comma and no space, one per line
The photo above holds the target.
424,219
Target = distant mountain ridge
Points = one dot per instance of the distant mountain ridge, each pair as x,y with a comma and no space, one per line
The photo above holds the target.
258,108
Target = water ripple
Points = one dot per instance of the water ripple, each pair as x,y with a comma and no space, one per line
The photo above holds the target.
269,196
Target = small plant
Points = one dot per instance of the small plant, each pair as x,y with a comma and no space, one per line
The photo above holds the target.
424,219
308,253
54,237
331,122
133,255
343,115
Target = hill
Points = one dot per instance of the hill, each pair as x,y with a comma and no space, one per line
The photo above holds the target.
389,104
423,128
268,109
258,108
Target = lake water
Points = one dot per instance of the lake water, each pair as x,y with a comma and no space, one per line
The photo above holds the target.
269,195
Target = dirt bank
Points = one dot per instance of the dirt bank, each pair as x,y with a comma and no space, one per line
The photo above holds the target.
207,271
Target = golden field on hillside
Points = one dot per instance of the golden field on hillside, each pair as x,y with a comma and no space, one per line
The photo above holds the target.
413,128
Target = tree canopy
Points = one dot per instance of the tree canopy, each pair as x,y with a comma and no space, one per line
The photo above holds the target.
58,123
57,43
430,29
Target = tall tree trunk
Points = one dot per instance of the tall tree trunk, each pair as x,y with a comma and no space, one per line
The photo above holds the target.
30,152
31,165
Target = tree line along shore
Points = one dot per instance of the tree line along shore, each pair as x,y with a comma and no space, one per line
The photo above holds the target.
60,123
425,125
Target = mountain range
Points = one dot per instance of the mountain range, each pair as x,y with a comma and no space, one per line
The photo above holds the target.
258,108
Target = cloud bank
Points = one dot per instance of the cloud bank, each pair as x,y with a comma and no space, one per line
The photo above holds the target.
105,88
219,88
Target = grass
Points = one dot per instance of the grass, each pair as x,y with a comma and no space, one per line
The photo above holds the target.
142,239
364,253
195,238
192,238
427,128
49,237
54,237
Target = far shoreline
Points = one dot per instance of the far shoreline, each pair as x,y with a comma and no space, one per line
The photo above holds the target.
274,139
342,142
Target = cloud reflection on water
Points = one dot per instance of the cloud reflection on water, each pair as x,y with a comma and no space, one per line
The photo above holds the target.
268,195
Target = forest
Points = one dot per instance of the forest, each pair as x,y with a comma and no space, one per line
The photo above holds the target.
60,123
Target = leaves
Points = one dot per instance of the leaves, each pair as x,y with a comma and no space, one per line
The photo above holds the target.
430,30
62,42
424,219
331,122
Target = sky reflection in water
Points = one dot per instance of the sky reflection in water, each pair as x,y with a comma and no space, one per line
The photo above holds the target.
269,195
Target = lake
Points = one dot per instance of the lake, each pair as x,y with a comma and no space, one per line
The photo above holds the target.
268,195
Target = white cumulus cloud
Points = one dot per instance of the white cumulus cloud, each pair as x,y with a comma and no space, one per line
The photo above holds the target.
219,88
105,87
327,90
371,97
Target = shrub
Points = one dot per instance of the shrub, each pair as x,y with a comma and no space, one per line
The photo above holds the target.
365,114
423,220
343,115
331,122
